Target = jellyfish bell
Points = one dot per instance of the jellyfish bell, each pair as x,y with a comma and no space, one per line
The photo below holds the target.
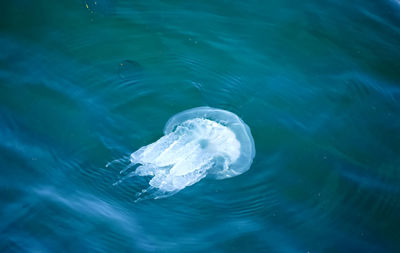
199,142
236,133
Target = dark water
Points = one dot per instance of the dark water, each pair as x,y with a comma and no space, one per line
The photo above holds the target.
85,82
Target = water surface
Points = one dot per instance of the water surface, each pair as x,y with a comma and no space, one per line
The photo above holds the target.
85,82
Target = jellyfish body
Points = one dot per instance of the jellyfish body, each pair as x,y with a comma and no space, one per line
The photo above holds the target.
197,143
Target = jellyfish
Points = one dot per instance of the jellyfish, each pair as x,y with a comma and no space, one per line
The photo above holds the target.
197,143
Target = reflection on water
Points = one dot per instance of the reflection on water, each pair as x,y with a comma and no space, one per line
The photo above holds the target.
87,82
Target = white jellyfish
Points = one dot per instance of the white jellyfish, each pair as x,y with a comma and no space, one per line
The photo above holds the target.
197,143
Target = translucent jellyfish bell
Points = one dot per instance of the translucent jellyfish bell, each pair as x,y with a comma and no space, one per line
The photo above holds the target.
197,143
233,131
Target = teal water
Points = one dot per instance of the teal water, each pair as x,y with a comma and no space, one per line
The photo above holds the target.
83,83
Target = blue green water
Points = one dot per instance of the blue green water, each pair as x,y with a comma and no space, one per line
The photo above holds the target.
83,83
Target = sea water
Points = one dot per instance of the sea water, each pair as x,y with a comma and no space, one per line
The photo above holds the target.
84,83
